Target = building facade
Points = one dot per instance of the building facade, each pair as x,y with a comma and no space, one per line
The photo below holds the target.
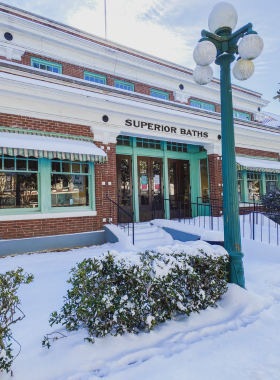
83,119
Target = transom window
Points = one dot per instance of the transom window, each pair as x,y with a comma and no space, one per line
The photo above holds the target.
123,140
202,105
124,85
95,77
177,147
253,175
239,175
159,94
148,143
69,184
271,177
241,115
46,65
18,182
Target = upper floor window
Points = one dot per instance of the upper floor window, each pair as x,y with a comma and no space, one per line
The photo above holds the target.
241,115
148,143
202,105
94,77
159,94
46,65
123,140
177,147
124,85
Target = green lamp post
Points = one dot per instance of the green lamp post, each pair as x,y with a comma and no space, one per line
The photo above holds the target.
220,44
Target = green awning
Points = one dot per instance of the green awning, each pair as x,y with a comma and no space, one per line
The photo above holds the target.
257,165
14,142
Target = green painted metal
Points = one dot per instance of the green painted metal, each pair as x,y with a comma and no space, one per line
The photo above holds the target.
244,189
45,182
166,181
135,186
194,182
262,184
241,115
230,196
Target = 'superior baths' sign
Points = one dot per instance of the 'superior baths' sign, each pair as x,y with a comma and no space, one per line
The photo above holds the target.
165,128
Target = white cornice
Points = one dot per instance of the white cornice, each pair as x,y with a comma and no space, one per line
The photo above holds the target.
111,55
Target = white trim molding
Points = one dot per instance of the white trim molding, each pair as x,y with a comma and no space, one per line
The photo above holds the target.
53,215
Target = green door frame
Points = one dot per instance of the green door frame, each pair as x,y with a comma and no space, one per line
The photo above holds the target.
193,156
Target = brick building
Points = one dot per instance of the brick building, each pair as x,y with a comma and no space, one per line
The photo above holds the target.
82,117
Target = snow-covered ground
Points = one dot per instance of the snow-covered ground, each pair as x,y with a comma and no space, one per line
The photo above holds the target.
238,340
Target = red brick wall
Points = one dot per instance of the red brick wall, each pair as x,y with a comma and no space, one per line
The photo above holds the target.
256,153
103,173
25,122
215,178
78,72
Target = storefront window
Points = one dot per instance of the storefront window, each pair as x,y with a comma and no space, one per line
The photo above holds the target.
69,184
239,185
253,182
204,180
271,182
18,182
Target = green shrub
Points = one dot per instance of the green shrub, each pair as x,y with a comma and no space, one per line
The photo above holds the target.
10,312
114,294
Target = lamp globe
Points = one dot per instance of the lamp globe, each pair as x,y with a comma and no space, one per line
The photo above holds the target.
243,69
203,74
223,15
250,47
204,53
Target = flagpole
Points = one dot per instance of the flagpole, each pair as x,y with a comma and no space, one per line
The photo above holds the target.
105,19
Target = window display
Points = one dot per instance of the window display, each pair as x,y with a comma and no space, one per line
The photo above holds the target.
69,184
18,183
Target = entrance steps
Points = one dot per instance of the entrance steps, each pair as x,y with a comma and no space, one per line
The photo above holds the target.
147,235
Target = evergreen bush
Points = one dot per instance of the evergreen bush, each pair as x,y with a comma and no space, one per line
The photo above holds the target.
116,293
10,313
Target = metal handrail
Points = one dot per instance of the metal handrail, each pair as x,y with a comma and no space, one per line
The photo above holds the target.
120,209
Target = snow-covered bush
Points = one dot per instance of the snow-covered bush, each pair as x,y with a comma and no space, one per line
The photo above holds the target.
117,293
271,203
10,312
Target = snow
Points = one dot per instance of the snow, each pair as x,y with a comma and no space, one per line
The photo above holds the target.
212,236
257,163
54,144
237,340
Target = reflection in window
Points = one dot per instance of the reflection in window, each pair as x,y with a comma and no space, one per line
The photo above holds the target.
18,190
239,185
125,182
204,180
69,190
144,182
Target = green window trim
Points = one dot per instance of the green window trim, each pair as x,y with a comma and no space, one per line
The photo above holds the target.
177,147
159,94
55,67
102,79
121,84
124,140
148,143
202,105
241,115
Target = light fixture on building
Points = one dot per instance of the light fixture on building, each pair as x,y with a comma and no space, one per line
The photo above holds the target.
105,118
8,36
181,87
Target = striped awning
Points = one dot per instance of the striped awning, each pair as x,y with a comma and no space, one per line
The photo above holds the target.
257,165
14,142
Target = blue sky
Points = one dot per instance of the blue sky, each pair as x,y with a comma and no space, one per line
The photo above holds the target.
170,29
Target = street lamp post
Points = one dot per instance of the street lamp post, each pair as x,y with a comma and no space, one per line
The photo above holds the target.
221,45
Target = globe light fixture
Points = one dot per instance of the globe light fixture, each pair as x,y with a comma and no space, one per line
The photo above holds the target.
250,47
223,15
243,69
222,20
203,74
204,53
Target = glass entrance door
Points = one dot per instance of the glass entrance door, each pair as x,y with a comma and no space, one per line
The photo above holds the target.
124,178
179,188
150,188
